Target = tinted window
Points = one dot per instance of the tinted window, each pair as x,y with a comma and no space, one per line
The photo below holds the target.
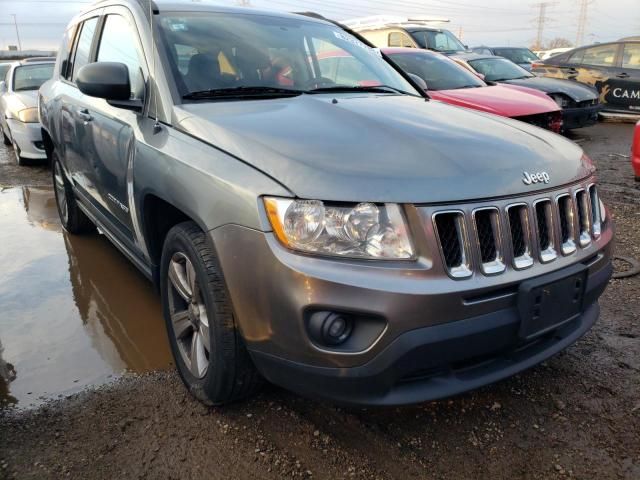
602,56
3,71
119,43
631,55
517,55
440,40
31,77
439,72
398,39
498,69
83,47
266,51
65,51
574,58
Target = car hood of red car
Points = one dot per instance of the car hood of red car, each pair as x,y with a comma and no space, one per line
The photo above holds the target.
504,100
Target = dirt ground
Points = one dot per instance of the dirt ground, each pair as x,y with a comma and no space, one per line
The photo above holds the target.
575,416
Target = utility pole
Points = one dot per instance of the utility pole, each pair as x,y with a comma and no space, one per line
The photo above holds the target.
582,21
540,20
460,32
15,24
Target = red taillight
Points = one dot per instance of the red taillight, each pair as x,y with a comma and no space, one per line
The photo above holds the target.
555,122
635,152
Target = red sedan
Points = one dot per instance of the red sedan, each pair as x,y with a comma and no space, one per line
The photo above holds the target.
635,152
450,83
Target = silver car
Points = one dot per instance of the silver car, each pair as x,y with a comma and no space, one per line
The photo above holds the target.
19,124
321,225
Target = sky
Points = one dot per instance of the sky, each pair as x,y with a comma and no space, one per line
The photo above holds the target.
477,22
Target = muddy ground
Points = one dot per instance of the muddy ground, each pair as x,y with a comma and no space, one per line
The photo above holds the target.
576,416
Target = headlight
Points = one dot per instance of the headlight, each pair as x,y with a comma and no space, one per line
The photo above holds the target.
561,100
28,115
365,230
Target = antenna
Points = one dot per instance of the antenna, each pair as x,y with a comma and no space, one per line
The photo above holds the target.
156,125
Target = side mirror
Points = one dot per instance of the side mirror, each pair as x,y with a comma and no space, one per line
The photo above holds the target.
419,81
108,80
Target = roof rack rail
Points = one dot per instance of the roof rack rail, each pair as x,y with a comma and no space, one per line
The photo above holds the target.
382,21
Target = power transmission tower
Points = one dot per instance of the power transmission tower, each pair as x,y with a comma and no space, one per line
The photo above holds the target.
541,20
582,21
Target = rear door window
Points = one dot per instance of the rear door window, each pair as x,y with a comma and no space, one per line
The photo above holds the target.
83,46
601,56
631,56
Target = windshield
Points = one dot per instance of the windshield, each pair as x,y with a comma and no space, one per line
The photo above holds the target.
31,77
439,40
438,71
517,55
4,68
241,54
498,69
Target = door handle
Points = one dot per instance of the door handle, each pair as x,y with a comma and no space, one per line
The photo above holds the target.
84,114
623,75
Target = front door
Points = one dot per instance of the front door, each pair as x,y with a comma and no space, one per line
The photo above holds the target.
625,85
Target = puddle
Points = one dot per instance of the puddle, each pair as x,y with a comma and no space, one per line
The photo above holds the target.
73,311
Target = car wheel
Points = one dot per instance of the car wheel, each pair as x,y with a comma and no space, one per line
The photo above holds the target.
72,218
208,349
6,140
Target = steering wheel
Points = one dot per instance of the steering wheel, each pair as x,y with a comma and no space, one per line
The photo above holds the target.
321,82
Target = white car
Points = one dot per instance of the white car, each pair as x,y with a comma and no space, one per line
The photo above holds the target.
19,124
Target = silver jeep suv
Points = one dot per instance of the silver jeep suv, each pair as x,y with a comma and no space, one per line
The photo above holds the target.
310,217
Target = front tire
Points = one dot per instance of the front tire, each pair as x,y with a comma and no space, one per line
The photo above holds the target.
72,218
207,347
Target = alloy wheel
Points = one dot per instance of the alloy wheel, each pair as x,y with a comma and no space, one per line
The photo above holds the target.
188,313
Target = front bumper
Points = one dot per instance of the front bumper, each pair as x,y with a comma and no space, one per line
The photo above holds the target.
28,137
580,117
442,336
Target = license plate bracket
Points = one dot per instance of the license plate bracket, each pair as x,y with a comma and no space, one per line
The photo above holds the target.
546,302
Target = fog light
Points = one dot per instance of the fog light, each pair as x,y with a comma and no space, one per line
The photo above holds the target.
330,329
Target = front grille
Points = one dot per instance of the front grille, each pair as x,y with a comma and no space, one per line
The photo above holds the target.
567,228
486,236
595,211
584,227
520,232
452,239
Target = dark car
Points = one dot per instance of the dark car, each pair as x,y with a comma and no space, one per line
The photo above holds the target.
579,103
337,233
612,68
519,55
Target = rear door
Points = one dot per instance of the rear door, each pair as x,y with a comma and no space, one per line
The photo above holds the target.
598,67
625,86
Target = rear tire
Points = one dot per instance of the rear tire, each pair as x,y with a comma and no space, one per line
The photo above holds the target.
208,349
72,218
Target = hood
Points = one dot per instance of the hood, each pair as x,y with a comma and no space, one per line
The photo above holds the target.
17,101
578,92
383,148
497,99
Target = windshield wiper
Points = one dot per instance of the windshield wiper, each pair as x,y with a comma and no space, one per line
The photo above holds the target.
242,92
359,88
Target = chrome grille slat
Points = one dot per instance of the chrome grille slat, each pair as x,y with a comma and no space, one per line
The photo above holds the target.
537,230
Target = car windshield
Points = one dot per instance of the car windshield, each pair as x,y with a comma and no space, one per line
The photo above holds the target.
498,69
31,77
438,71
439,40
517,55
216,55
4,68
